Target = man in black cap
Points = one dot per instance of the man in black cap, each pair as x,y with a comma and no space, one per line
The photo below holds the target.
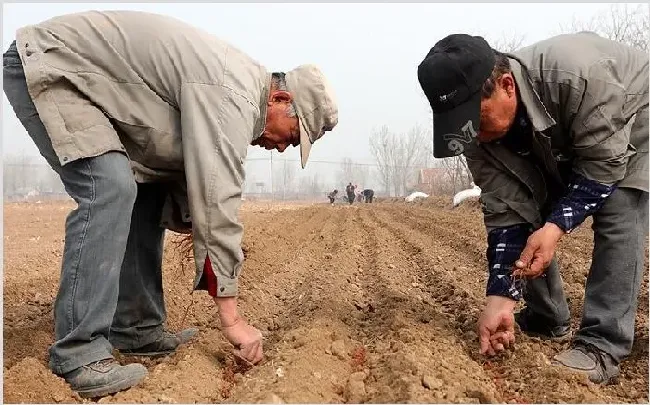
552,133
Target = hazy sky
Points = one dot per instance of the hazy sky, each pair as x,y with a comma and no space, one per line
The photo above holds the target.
369,52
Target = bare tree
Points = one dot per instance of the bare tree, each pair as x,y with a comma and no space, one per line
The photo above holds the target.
413,155
457,174
620,22
508,43
399,156
382,143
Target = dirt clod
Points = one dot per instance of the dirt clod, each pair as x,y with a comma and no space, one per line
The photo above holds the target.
483,396
37,383
430,382
338,349
355,390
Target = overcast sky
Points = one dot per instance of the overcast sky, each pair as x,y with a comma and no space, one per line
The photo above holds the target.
369,52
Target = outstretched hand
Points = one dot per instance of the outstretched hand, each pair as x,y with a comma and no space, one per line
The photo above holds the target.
539,251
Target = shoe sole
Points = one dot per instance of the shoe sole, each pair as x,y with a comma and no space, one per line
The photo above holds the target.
112,388
148,354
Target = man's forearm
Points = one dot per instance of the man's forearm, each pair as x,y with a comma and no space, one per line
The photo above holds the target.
227,310
227,305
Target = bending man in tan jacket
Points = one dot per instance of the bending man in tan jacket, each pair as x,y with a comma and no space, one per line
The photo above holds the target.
147,121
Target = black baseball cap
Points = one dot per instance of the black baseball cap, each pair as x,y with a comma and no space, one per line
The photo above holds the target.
452,76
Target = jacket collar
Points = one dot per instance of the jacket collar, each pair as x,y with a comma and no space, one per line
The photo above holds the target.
261,120
539,116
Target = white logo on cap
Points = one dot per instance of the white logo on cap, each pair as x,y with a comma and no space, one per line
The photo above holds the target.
456,141
446,97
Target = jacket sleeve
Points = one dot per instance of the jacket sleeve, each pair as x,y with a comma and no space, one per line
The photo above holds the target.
599,131
217,126
509,219
583,197
504,248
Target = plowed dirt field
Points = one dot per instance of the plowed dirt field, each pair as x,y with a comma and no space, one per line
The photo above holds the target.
362,303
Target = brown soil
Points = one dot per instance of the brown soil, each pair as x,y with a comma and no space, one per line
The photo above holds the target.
362,303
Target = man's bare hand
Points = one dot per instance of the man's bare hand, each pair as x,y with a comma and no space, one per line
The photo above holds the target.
246,339
496,325
539,251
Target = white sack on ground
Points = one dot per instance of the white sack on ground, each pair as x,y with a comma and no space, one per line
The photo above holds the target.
461,196
413,196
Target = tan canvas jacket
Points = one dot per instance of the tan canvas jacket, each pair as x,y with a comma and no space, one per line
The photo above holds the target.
181,103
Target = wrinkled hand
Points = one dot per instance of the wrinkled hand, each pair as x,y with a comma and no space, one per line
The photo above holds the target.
496,325
246,339
539,251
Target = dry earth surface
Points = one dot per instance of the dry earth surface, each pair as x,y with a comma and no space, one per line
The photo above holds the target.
363,303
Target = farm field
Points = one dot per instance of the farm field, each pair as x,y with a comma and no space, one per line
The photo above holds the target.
364,303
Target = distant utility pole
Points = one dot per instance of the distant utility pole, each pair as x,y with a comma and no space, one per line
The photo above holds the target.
23,171
272,195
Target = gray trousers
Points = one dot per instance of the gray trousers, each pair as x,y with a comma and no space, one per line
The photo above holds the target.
110,292
612,289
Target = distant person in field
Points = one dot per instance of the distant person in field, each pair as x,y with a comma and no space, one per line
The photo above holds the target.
147,120
358,193
368,194
552,134
349,191
332,196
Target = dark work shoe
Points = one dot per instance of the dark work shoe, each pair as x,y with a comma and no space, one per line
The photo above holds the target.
104,377
533,324
167,344
599,366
